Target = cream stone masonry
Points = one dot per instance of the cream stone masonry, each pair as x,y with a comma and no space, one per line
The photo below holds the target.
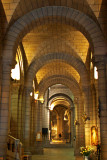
52,42
101,62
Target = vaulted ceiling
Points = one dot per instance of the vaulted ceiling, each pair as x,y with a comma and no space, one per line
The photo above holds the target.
16,8
56,36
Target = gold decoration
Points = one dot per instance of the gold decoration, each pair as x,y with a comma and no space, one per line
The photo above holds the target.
85,117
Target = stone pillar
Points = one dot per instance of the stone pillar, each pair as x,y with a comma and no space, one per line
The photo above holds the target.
39,117
89,112
45,120
80,139
76,137
95,109
4,107
35,114
38,128
101,63
27,121
32,125
61,122
58,125
72,126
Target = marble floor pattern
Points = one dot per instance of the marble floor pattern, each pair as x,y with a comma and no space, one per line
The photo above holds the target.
57,154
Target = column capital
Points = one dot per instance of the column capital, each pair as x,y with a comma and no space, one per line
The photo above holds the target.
9,63
99,61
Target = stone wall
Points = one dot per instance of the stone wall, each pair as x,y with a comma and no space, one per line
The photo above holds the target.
16,111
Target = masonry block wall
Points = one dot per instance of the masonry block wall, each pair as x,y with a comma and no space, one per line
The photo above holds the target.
63,89
2,22
16,111
45,119
33,125
71,23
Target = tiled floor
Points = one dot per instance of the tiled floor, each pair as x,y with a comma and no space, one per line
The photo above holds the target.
57,154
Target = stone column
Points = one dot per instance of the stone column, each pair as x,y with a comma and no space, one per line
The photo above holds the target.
101,63
45,120
72,126
76,136
58,125
39,117
38,127
61,122
79,141
89,112
27,121
4,107
35,114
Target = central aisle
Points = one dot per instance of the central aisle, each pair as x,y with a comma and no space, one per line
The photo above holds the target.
57,154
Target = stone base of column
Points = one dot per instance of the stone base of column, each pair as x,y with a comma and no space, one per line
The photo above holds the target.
37,149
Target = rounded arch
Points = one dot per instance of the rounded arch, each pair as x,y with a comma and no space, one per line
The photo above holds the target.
71,16
64,103
67,58
58,95
69,77
72,85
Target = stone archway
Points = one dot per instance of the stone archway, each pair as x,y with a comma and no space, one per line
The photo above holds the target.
59,79
79,20
67,58
78,102
22,27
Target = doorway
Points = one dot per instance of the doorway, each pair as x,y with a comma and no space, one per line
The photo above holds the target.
60,118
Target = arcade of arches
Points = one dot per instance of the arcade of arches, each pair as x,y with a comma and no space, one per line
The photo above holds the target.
53,75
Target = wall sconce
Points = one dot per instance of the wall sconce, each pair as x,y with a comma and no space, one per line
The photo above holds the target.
31,94
36,95
76,123
41,100
85,117
94,135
